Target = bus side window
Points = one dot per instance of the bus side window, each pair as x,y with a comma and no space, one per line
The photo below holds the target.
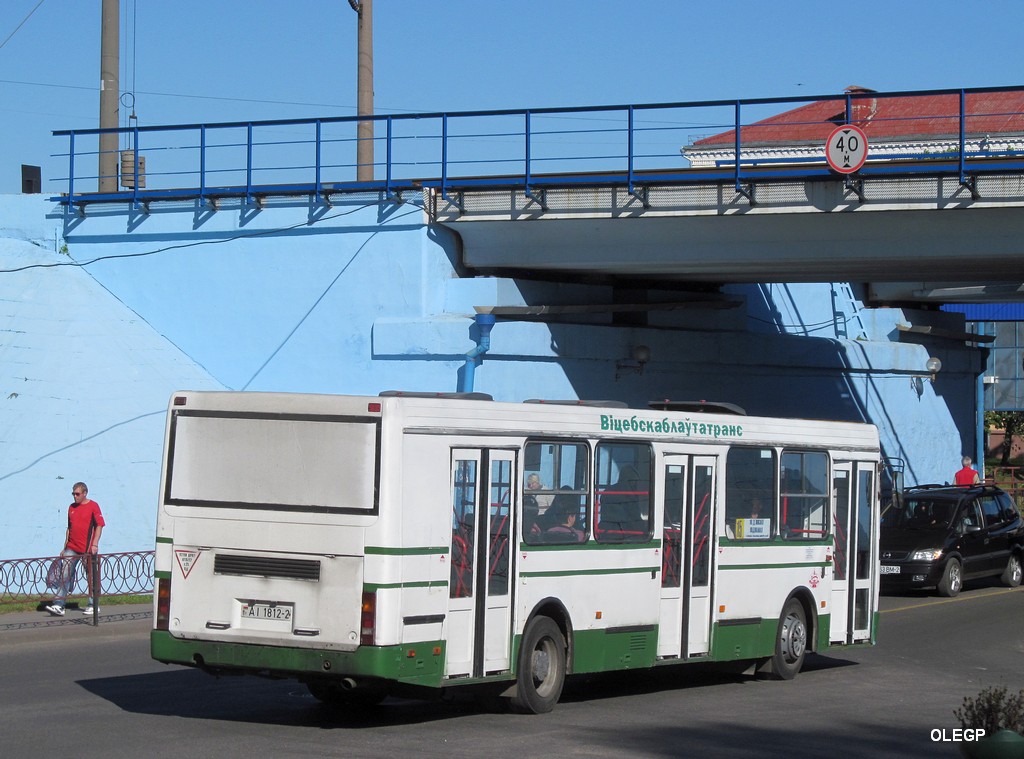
750,493
804,486
624,493
554,472
464,496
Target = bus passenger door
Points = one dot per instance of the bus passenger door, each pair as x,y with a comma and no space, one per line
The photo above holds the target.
687,556
840,601
479,612
864,536
855,531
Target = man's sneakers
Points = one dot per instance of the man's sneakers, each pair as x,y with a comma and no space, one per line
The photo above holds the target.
58,611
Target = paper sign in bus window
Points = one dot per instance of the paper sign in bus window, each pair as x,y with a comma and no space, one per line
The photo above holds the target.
753,529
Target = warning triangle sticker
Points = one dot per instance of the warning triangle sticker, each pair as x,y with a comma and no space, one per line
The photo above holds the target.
186,560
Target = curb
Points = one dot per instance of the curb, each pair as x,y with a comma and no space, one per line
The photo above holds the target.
33,627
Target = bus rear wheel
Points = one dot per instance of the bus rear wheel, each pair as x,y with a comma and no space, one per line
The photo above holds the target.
542,665
790,642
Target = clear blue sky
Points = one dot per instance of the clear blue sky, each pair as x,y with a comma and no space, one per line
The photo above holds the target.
189,61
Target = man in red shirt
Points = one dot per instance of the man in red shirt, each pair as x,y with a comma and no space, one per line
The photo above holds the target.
85,525
967,475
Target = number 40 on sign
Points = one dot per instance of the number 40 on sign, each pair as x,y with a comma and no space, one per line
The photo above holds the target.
846,148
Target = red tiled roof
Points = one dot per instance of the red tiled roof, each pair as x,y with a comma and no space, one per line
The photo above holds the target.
885,118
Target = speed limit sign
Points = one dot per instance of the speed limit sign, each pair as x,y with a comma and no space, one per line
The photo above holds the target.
846,148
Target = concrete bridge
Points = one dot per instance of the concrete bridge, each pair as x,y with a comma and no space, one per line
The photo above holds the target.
634,193
912,238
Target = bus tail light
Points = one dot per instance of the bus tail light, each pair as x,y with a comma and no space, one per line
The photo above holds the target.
163,603
368,618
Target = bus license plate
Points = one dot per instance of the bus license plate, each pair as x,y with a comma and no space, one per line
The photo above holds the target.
889,570
273,612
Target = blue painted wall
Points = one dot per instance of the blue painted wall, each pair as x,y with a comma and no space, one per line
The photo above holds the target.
364,297
84,383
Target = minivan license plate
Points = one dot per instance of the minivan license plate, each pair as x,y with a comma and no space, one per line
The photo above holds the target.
889,570
273,612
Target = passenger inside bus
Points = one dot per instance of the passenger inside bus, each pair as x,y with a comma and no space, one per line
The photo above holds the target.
565,510
755,508
536,493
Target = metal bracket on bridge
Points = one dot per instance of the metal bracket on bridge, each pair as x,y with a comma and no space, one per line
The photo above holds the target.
747,191
540,197
458,200
856,187
971,183
641,194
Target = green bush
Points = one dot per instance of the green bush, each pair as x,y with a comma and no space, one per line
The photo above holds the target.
993,709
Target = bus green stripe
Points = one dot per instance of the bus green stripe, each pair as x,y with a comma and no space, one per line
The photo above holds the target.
442,550
588,546
409,551
379,550
774,541
781,565
585,572
372,586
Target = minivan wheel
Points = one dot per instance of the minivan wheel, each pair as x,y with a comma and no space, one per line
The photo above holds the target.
1013,572
952,579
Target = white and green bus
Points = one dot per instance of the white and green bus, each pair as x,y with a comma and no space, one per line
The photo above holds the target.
392,543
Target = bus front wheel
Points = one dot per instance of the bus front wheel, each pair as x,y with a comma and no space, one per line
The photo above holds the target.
542,665
790,642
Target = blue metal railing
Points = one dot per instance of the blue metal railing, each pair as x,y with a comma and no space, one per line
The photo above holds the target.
523,149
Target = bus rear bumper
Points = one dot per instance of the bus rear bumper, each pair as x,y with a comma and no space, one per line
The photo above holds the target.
419,664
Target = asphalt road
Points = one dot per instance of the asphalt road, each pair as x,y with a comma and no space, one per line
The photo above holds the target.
76,690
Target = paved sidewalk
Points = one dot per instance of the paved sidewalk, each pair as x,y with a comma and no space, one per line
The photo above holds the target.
32,626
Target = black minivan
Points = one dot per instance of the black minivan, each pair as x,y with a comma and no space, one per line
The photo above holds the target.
941,535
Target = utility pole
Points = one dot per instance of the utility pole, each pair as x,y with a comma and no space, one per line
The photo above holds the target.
109,93
364,100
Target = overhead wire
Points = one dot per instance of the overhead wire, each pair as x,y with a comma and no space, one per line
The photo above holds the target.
9,36
805,327
198,97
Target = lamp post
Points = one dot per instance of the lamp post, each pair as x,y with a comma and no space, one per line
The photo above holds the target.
364,85
110,19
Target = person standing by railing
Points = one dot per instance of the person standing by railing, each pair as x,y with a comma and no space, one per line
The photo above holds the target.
85,525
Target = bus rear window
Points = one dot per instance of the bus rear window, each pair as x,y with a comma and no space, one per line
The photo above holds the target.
277,462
